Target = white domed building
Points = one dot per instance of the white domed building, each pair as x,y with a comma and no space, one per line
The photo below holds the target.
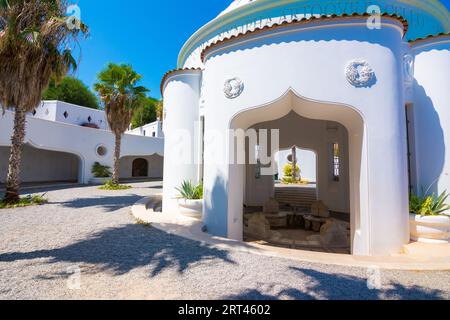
329,75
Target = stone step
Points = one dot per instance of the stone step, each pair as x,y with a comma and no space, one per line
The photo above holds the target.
297,197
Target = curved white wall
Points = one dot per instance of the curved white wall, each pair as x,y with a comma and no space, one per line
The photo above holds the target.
312,64
432,113
181,111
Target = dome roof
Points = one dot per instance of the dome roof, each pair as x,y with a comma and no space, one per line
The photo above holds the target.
425,18
236,4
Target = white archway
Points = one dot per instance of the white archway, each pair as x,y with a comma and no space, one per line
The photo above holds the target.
350,118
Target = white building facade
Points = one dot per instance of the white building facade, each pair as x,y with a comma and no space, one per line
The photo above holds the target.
323,74
63,141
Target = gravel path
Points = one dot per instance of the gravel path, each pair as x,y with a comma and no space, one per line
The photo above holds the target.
91,231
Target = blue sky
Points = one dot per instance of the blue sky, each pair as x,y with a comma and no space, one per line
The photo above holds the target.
146,33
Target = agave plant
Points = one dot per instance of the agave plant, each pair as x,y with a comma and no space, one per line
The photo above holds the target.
429,205
35,46
190,191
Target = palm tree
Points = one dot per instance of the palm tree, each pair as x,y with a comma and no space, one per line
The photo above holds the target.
35,37
118,90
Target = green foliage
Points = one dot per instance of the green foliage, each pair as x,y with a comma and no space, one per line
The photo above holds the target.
111,186
101,171
287,170
31,200
146,113
71,90
190,191
290,180
117,86
429,205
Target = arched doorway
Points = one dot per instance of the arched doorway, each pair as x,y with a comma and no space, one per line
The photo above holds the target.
140,168
331,116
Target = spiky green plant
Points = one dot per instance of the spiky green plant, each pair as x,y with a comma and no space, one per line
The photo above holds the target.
428,204
190,191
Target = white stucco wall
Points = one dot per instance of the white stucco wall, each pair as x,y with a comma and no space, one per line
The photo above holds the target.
153,129
431,107
301,60
181,109
77,115
80,141
155,166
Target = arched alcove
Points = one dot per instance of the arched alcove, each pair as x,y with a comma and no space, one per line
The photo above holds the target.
140,168
292,103
44,166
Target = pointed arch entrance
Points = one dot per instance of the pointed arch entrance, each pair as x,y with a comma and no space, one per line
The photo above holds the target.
295,107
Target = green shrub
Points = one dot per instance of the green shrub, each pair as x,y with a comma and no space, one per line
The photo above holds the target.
290,180
288,170
100,171
31,200
110,186
429,205
190,191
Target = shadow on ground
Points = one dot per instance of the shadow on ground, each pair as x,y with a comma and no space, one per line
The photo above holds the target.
108,203
333,286
123,249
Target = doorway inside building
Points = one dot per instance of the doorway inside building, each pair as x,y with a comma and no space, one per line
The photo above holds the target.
318,211
140,168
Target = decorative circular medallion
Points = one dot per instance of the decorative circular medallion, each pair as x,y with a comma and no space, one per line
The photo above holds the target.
360,74
101,150
233,88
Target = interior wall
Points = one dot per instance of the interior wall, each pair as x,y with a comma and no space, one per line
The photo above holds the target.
42,166
318,135
155,166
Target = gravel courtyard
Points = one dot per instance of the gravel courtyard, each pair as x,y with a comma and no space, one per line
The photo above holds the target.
91,231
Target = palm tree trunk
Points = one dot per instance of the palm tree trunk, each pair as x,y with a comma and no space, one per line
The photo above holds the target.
17,139
116,168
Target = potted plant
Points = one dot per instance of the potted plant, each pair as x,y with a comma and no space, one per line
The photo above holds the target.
101,173
190,201
429,218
